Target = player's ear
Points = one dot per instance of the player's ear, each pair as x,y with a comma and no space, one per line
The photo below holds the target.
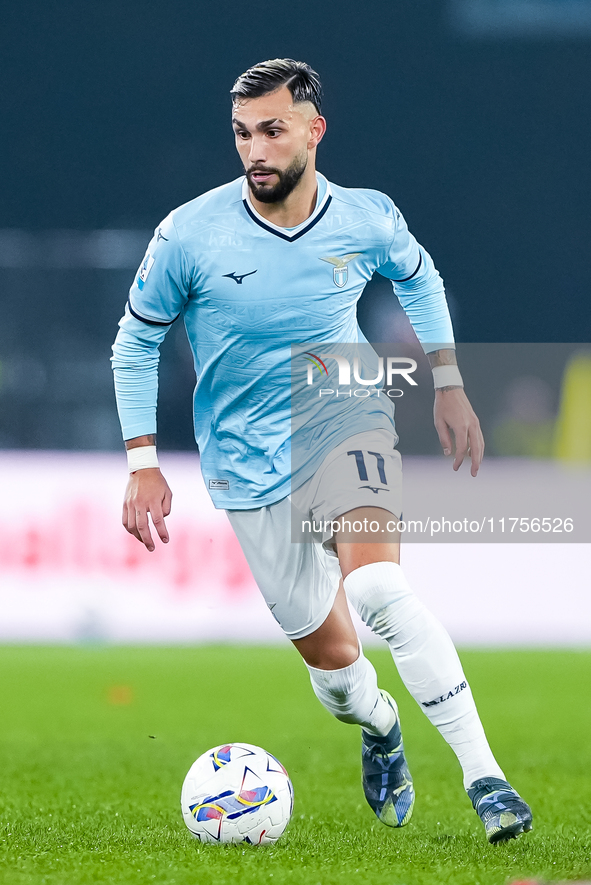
317,130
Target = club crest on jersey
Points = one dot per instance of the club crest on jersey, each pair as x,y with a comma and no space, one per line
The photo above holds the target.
145,268
340,273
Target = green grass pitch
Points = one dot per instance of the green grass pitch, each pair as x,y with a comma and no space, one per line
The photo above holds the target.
95,743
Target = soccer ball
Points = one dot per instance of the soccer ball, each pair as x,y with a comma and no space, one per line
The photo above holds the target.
237,793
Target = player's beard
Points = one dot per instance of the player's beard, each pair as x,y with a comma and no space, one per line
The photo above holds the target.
288,179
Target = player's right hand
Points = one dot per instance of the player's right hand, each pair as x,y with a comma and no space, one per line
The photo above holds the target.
147,492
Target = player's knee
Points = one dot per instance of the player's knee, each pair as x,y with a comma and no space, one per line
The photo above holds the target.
382,597
332,655
398,622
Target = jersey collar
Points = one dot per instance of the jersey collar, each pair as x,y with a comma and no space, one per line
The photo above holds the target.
294,233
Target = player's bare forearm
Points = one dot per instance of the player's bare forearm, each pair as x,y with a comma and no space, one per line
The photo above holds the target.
149,440
147,492
453,414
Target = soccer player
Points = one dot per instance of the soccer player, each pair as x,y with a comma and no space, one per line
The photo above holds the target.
267,270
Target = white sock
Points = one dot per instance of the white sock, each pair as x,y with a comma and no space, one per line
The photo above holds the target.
426,660
352,695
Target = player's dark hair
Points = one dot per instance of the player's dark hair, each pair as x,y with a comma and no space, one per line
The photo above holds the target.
267,76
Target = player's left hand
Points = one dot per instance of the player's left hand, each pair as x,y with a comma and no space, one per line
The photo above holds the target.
453,412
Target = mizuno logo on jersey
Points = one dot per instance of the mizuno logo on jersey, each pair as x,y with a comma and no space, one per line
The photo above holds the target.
161,235
238,277
219,485
374,489
340,273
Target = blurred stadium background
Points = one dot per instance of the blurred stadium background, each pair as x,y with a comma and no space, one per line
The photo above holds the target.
471,114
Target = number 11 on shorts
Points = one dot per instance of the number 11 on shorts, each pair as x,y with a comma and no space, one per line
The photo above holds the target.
362,469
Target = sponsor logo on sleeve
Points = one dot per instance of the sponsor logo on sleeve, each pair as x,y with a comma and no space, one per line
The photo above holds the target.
145,268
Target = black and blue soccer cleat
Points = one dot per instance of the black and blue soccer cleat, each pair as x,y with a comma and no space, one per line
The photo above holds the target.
387,783
500,808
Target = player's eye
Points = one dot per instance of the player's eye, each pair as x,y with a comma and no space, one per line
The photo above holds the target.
274,132
243,135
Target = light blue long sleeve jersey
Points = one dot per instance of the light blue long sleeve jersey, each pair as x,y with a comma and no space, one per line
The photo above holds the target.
255,298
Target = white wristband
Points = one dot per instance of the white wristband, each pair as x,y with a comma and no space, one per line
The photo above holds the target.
447,376
141,457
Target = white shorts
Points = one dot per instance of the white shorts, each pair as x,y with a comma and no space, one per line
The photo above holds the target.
299,579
